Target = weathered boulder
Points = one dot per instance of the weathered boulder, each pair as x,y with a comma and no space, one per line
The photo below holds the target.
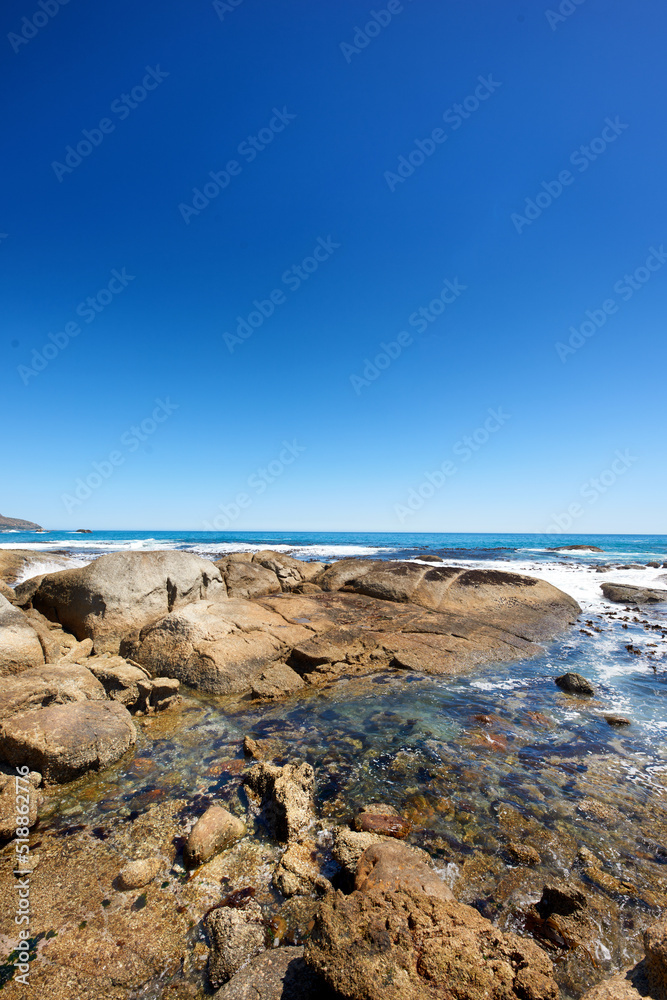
389,866
20,647
625,593
275,682
122,592
297,874
523,604
279,974
574,683
63,742
139,873
236,935
289,571
655,948
212,832
285,797
406,945
7,592
10,790
247,579
50,684
131,685
222,647
348,847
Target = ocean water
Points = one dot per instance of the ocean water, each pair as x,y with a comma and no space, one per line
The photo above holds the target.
475,761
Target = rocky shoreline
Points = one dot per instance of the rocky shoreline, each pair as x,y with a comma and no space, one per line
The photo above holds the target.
256,891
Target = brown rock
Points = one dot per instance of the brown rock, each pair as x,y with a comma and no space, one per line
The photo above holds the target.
10,791
124,591
236,936
212,832
285,794
406,945
20,647
63,742
297,874
247,579
139,873
348,847
276,682
389,866
383,819
17,564
655,947
279,974
523,853
51,684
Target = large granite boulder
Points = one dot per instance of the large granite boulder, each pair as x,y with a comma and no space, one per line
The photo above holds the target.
397,866
122,592
406,945
20,647
625,593
63,742
247,579
288,571
525,605
132,686
219,646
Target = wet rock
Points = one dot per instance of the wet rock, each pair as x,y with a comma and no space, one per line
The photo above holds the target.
627,594
629,985
212,832
348,847
383,819
247,579
20,647
285,794
393,945
574,683
137,874
51,684
123,591
617,720
63,742
389,866
524,854
236,936
279,974
297,874
18,563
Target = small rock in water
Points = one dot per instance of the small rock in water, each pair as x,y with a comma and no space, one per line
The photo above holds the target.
575,684
139,873
523,853
383,819
212,832
617,720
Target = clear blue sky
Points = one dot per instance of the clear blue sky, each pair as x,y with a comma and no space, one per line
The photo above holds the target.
200,81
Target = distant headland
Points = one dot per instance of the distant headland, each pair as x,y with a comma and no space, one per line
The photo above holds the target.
17,523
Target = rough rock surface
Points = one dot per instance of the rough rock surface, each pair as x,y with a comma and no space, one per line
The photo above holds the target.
132,686
530,607
212,832
20,647
297,874
236,935
285,795
48,685
9,789
655,948
221,646
575,683
137,874
279,974
381,818
288,571
388,866
64,741
247,579
405,945
623,593
122,592
348,847
276,681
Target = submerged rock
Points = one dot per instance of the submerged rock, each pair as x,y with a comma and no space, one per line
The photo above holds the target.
123,591
212,832
137,874
285,794
383,819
